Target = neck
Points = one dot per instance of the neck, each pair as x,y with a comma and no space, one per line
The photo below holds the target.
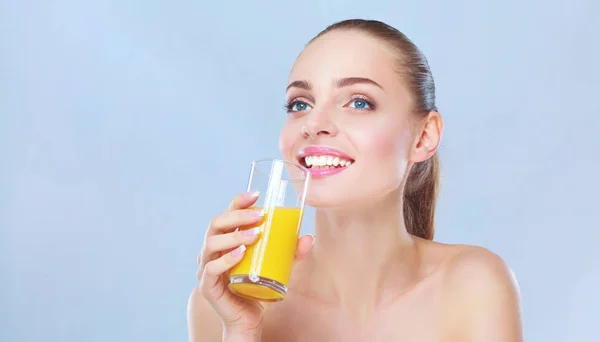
362,257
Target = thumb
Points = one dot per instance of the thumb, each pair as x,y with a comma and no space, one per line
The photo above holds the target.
304,247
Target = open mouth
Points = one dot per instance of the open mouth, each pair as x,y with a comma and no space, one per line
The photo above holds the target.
324,161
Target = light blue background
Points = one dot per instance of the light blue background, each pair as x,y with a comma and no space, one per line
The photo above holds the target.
126,125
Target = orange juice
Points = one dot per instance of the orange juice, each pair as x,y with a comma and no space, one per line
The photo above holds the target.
264,271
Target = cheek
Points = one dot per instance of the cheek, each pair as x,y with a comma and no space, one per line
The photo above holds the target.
386,146
286,140
387,150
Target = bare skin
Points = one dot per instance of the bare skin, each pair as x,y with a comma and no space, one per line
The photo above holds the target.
365,278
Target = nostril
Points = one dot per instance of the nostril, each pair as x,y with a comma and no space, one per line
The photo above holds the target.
319,128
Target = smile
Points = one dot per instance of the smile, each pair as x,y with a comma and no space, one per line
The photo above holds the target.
324,161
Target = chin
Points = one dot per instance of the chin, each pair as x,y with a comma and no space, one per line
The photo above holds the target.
322,203
330,199
351,197
323,197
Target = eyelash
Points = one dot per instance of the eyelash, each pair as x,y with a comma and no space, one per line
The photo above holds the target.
290,104
365,100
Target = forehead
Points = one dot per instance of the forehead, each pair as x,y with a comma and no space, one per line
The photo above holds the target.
340,54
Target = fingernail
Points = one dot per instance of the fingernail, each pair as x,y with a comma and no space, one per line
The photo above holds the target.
238,251
254,194
313,238
257,213
251,232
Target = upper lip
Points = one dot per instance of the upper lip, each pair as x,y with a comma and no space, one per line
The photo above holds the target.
322,151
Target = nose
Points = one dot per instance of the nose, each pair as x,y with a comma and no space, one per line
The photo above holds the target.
319,124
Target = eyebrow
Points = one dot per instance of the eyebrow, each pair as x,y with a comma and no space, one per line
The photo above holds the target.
344,82
299,84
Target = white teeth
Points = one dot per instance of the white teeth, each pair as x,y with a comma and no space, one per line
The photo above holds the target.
345,163
326,161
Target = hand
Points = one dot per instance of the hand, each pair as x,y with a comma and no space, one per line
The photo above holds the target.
223,248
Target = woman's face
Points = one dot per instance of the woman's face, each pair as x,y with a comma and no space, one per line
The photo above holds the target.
345,94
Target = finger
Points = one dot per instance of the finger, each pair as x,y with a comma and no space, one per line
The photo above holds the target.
304,246
231,220
243,201
210,273
216,244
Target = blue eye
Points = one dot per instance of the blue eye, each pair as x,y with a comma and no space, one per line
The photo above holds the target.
297,107
360,104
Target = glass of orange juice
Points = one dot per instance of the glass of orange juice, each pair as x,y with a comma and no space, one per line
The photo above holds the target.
263,273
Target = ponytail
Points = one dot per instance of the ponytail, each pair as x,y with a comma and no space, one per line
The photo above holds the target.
420,195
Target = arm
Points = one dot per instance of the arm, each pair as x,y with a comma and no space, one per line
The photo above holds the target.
204,325
484,293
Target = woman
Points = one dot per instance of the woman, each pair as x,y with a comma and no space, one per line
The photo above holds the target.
373,273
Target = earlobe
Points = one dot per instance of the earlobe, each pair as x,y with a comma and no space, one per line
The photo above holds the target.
429,140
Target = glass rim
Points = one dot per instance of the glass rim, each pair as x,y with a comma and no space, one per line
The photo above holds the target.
305,171
262,160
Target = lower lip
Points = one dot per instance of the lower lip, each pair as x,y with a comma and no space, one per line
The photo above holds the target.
326,172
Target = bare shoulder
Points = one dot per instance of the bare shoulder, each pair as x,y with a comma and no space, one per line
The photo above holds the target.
481,290
203,323
480,265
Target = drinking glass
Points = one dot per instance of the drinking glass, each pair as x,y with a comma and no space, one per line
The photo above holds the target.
263,273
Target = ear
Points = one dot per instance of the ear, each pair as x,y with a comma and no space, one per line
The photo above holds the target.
427,142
